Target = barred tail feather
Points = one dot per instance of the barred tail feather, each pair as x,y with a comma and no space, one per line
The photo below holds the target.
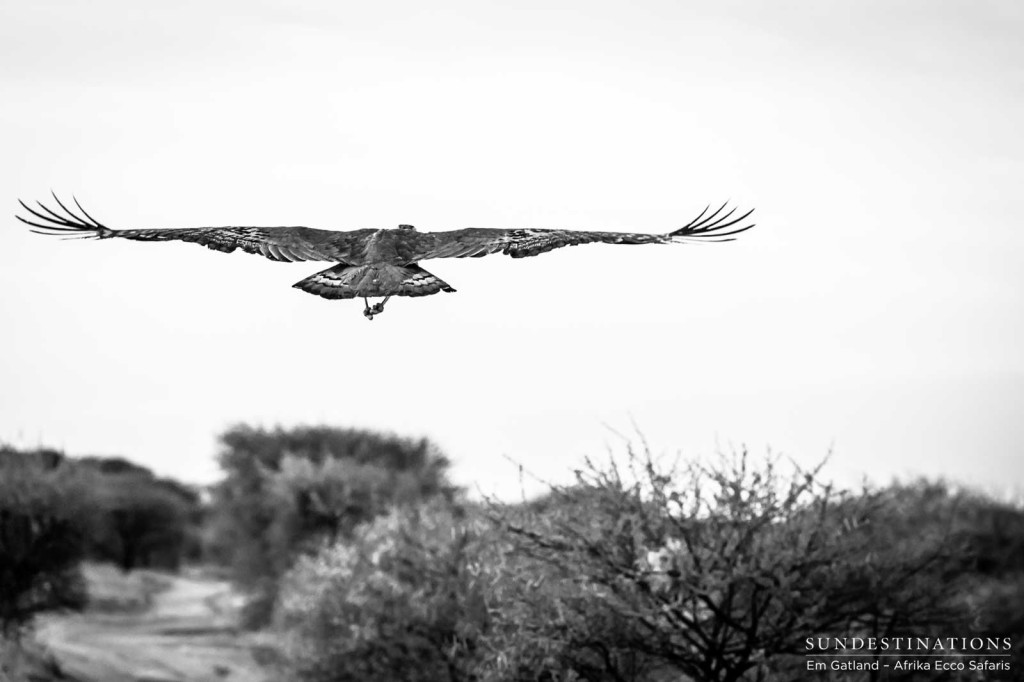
370,281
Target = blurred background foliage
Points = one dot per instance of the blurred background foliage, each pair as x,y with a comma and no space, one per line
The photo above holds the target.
57,511
365,563
285,492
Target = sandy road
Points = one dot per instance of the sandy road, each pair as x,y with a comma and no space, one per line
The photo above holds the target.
187,635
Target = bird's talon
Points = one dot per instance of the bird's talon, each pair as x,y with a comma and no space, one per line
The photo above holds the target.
376,309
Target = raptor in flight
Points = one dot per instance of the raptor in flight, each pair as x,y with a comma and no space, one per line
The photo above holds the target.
377,263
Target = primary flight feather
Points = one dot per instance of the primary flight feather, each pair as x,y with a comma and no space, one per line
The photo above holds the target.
373,263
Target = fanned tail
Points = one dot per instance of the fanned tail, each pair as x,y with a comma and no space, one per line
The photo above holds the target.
351,281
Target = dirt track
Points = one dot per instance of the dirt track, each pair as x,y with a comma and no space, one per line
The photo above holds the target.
187,634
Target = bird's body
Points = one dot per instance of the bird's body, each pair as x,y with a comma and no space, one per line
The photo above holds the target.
377,263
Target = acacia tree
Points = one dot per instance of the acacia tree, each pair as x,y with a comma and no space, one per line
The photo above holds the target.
136,519
139,523
717,573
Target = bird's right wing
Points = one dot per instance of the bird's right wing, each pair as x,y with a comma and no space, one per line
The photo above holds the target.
474,242
275,243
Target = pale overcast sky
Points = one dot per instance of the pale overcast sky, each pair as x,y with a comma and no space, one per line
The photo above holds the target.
875,310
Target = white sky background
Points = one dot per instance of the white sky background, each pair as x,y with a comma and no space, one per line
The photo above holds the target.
876,309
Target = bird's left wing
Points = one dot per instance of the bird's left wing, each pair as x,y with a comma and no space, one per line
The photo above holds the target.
276,243
477,241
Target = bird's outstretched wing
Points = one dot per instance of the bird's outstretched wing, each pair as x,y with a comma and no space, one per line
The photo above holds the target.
275,243
477,241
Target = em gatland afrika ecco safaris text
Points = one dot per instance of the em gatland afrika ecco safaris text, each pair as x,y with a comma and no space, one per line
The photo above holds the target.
912,653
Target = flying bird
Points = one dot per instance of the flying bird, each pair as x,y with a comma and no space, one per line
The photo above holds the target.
377,263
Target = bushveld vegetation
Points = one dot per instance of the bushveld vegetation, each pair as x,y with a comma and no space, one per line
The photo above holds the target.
357,552
716,572
57,511
285,492
41,537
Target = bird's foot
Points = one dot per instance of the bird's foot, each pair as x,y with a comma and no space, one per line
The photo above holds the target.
376,309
